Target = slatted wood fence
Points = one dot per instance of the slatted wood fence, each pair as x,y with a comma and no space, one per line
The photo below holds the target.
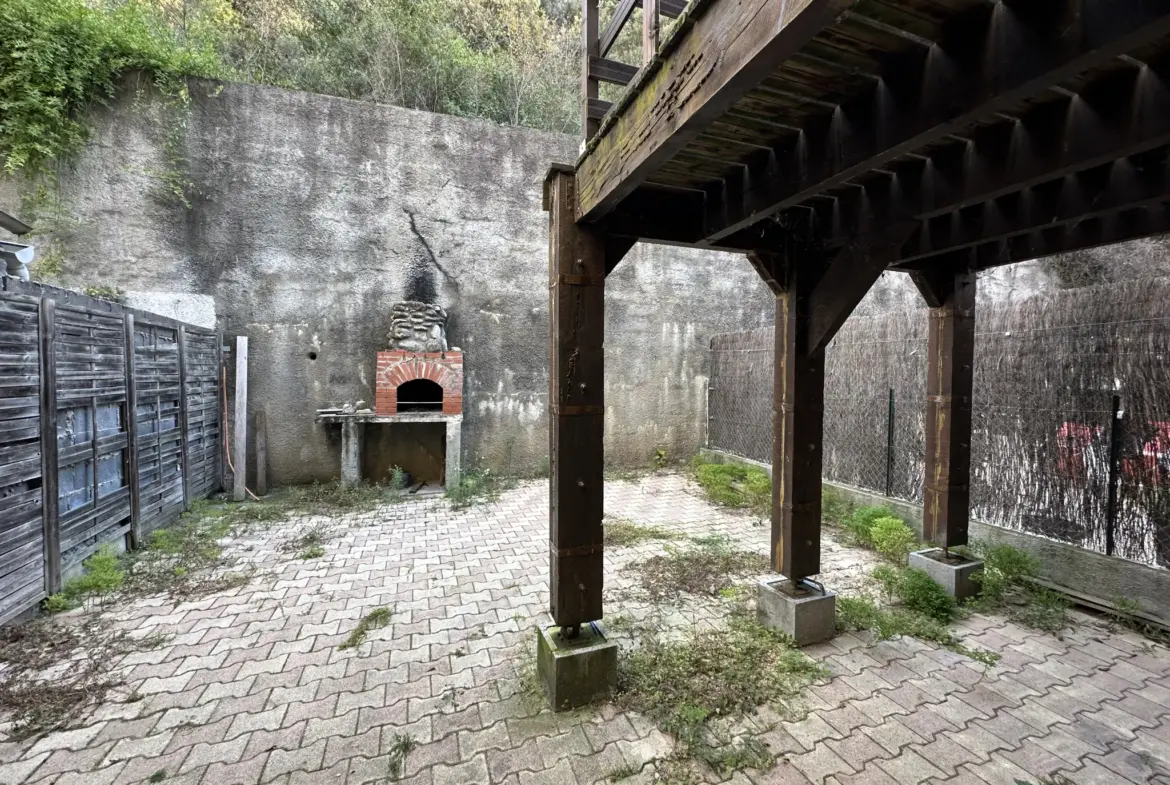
79,466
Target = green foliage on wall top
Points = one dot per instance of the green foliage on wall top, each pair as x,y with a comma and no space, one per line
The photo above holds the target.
60,57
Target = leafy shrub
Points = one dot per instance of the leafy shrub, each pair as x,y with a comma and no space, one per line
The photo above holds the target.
1003,568
860,524
918,591
892,538
61,56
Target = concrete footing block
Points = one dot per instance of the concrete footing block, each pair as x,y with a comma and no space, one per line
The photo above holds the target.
575,671
806,614
953,573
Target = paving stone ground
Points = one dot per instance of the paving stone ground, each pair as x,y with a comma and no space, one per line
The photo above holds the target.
252,687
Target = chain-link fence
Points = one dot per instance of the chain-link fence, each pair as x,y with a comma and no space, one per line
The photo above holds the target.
1071,413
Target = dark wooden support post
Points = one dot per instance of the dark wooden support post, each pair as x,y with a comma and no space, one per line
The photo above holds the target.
184,439
650,29
576,406
950,293
132,435
49,471
590,48
798,403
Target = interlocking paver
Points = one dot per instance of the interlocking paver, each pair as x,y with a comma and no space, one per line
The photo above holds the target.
909,768
253,687
820,763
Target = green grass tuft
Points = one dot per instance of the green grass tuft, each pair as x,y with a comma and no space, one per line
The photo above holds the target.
477,487
709,568
375,619
622,533
735,485
684,686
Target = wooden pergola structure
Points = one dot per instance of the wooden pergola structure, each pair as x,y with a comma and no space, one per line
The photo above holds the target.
830,140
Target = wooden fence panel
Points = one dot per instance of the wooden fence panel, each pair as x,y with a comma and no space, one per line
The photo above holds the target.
79,379
159,409
22,577
203,415
92,480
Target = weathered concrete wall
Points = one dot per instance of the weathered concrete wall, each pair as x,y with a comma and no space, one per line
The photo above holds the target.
310,216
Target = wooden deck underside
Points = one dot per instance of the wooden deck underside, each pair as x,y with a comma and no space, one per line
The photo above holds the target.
995,131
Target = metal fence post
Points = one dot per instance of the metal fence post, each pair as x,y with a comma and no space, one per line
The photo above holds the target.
1115,432
890,446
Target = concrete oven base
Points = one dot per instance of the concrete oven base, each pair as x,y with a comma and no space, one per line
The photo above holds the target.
353,433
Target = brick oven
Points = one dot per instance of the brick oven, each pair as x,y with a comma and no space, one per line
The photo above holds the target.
418,401
429,381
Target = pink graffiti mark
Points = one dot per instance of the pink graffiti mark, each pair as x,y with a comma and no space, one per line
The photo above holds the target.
1152,467
1074,440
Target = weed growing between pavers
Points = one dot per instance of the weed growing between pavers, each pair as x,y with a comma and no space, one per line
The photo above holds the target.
478,486
623,772
309,544
1125,615
923,611
623,532
862,613
399,749
692,688
707,567
735,485
54,671
1006,586
375,619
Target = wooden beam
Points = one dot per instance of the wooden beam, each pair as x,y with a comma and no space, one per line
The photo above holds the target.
949,375
847,280
650,30
1125,114
611,71
987,61
771,269
577,261
730,49
50,478
596,108
798,402
240,448
589,84
614,27
136,538
1121,185
1110,229
616,249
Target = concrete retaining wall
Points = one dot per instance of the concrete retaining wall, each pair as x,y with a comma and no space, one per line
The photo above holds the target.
309,216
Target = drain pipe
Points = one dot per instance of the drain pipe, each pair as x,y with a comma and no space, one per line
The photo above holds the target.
17,257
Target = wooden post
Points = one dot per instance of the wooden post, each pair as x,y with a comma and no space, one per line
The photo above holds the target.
590,47
651,22
949,376
576,407
132,434
240,426
49,477
221,411
184,442
260,424
798,402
